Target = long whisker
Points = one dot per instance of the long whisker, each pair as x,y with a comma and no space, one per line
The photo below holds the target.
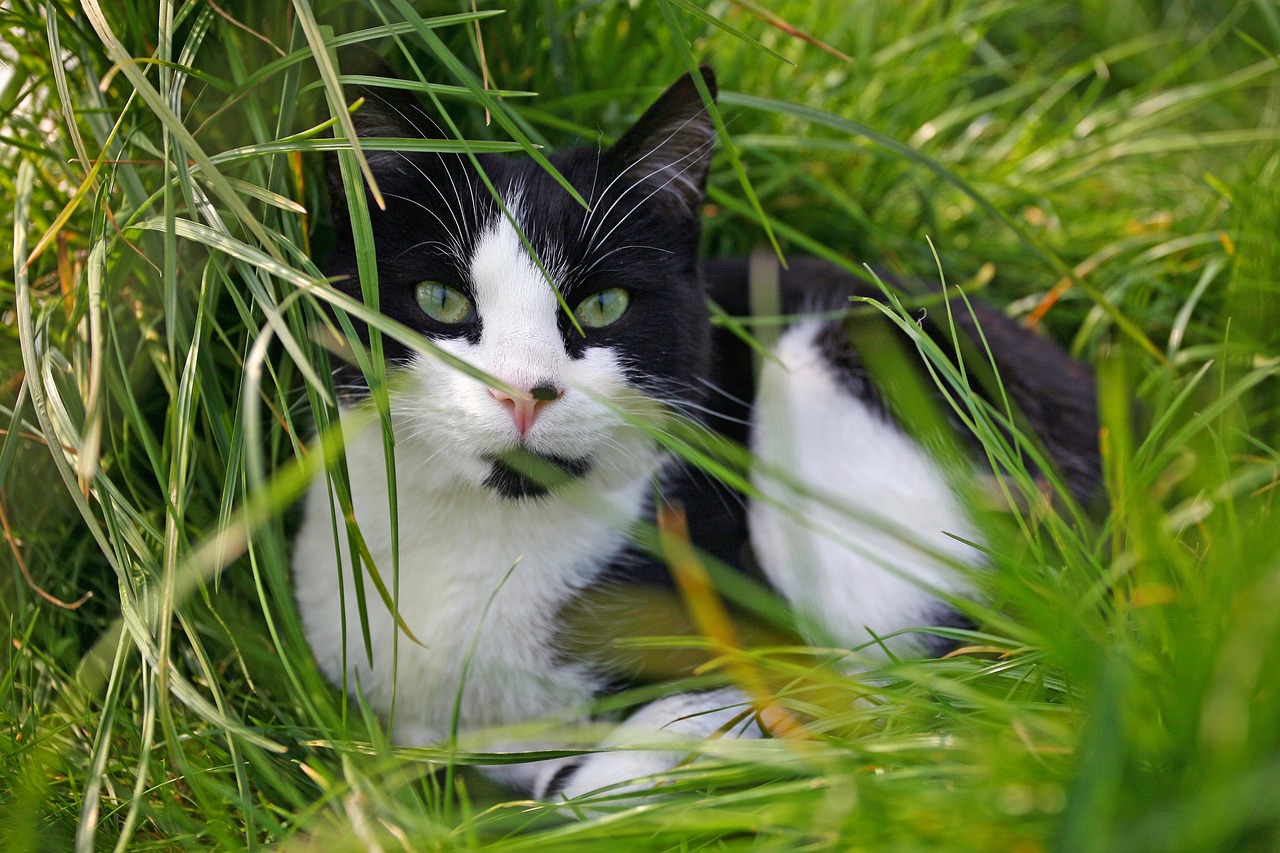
594,202
622,173
458,228
696,153
583,272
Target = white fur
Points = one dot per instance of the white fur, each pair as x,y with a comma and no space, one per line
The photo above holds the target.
521,343
458,539
677,724
853,528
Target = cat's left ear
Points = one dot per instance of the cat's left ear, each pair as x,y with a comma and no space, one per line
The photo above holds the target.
670,145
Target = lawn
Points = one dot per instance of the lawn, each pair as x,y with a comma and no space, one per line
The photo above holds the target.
1106,172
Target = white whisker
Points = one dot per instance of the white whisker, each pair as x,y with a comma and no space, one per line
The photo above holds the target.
657,147
459,230
579,274
695,153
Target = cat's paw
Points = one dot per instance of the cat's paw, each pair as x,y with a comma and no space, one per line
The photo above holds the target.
656,739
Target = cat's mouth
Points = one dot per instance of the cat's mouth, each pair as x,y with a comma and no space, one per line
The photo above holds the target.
522,473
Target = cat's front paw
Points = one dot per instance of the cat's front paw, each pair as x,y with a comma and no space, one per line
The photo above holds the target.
611,773
655,740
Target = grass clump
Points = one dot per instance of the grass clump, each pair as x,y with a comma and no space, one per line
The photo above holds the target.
1107,171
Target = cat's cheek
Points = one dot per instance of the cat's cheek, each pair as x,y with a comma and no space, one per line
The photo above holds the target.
603,398
598,374
616,417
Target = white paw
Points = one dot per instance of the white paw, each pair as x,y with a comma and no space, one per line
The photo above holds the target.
673,726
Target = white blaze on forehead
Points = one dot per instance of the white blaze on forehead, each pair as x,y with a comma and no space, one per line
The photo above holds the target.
517,308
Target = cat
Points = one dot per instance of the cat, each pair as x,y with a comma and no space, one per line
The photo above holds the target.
521,498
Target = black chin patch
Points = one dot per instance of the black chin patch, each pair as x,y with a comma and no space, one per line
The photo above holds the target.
523,474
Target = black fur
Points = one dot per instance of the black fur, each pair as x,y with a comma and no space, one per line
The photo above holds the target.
528,475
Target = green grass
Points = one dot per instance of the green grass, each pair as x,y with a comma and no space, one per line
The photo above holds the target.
1121,155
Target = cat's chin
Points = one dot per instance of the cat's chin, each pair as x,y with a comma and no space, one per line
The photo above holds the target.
523,474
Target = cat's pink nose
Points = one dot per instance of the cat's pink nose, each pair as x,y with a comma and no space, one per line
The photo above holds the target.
525,408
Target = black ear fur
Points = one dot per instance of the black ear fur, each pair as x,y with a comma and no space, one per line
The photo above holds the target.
671,143
387,111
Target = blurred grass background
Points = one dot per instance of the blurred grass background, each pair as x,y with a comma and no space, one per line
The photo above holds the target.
1106,170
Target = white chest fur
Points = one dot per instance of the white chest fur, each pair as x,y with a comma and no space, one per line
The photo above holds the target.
458,592
482,577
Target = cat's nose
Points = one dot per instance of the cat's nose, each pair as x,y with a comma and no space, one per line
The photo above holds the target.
525,408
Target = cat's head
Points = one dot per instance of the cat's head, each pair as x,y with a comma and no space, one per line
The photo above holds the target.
455,266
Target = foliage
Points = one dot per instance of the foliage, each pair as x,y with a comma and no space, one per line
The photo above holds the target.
1107,170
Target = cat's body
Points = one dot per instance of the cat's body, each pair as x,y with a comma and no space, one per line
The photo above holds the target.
491,556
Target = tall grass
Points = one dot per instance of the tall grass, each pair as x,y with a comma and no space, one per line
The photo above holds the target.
1105,170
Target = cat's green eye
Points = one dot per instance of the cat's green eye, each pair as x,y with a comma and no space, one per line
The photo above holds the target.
603,309
443,303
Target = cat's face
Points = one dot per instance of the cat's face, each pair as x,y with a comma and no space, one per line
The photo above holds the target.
455,266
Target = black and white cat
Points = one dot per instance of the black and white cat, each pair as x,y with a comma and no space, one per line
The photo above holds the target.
867,546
